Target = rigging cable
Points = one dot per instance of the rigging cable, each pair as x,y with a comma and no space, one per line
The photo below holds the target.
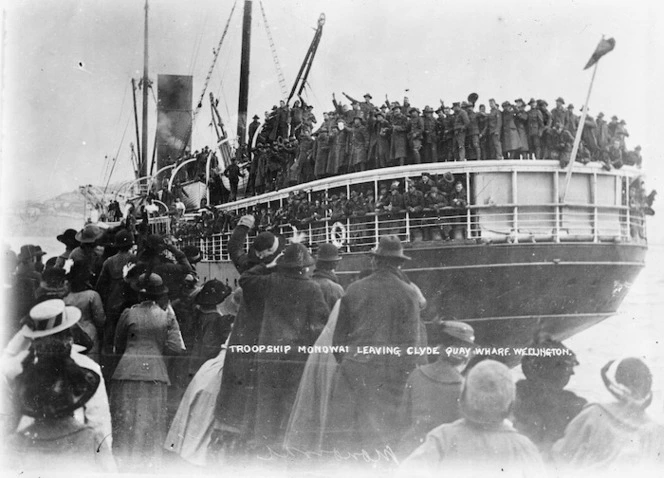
115,159
275,58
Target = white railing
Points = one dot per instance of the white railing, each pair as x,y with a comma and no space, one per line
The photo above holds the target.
596,210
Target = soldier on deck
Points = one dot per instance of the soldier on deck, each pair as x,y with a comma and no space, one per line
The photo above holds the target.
572,119
559,113
542,105
494,129
535,126
414,203
621,133
359,144
430,136
415,134
380,138
233,173
461,122
399,142
482,120
365,106
473,130
602,131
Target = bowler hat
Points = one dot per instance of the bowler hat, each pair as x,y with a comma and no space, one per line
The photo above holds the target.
29,251
89,234
55,387
213,292
487,393
328,253
295,256
389,246
152,286
49,318
68,238
124,238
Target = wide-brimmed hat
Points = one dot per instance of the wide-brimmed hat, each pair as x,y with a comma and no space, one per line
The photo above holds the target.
49,318
68,238
629,380
368,95
55,387
256,117
532,101
328,253
89,234
29,251
389,246
152,286
487,393
505,104
295,256
560,100
124,238
448,177
213,292
192,253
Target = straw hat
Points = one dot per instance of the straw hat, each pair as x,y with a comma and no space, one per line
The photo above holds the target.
49,318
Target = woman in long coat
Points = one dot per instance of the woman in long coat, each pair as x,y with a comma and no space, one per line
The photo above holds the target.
294,314
140,382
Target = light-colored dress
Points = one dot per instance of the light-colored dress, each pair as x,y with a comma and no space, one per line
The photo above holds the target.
139,384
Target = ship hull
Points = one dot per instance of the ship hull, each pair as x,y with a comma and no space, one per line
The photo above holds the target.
509,292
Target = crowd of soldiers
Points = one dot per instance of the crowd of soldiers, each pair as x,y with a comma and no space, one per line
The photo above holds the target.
289,150
442,198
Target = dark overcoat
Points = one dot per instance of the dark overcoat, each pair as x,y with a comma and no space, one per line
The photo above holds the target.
379,310
294,314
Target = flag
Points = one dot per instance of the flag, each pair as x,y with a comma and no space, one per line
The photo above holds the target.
602,49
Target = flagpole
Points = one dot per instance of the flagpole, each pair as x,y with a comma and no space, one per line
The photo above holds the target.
577,138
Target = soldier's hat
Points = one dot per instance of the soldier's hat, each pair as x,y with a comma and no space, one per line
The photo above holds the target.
368,96
357,117
622,122
465,104
440,110
413,109
600,115
570,106
506,104
428,109
532,100
614,117
68,238
328,253
256,117
448,177
383,106
379,112
542,103
394,185
560,100
390,246
455,104
519,100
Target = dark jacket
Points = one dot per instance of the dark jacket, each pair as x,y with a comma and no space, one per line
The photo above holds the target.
329,286
294,314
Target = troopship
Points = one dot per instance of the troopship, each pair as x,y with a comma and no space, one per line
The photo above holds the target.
529,252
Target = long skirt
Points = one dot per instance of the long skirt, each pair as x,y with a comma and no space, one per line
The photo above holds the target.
139,412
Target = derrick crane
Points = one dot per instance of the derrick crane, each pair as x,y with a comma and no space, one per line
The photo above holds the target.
303,74
273,48
220,130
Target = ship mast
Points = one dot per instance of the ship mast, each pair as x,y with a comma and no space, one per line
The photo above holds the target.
144,142
244,77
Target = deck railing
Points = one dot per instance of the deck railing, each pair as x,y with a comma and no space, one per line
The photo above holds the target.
509,202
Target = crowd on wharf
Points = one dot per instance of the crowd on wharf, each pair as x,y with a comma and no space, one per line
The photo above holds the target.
118,359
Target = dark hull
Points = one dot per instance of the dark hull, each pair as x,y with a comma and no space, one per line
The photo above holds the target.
510,291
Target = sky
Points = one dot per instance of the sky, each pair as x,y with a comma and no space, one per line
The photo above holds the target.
67,67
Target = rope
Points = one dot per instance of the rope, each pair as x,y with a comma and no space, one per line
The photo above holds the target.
115,159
